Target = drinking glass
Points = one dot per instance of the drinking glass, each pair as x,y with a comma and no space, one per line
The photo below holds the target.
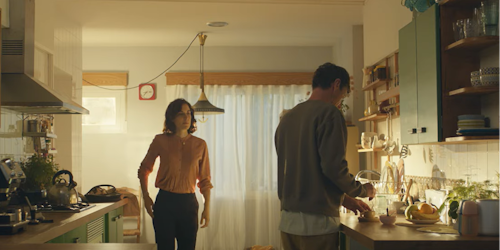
490,10
458,30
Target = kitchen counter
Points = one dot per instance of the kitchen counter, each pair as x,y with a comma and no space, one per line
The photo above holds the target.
106,246
375,236
63,223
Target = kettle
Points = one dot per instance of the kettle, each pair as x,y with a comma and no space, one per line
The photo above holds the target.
62,193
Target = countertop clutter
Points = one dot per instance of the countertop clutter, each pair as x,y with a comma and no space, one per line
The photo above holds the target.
63,223
375,236
106,246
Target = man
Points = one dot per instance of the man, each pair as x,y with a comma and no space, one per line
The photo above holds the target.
313,177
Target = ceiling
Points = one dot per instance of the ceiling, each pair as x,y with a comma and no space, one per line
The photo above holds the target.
176,23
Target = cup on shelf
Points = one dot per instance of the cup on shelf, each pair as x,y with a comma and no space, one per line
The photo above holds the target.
489,80
475,81
458,29
490,12
488,71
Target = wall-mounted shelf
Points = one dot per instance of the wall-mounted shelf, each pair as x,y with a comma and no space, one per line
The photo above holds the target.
472,44
469,139
469,3
474,91
376,84
388,94
374,117
39,134
370,150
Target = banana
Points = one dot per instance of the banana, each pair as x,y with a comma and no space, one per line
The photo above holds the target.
420,216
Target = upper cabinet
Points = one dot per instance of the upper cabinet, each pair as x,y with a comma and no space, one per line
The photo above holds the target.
419,75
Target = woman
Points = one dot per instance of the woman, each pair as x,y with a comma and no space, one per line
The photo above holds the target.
183,160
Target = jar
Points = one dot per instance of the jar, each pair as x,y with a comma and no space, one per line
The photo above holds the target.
468,219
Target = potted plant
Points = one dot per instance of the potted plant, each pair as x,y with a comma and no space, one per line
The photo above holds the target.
473,191
39,170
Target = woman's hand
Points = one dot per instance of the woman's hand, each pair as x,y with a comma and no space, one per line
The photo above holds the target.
148,204
205,218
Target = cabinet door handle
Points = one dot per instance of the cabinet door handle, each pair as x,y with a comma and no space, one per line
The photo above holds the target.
412,131
76,240
117,217
422,130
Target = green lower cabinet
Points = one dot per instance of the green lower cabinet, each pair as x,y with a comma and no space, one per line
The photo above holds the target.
114,226
77,235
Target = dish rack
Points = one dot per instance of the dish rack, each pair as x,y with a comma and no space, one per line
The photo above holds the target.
390,187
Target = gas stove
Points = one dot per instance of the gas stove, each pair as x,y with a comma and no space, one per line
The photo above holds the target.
74,208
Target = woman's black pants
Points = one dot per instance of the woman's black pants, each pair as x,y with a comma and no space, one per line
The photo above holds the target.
175,217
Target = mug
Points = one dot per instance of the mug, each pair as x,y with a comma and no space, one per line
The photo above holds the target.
366,139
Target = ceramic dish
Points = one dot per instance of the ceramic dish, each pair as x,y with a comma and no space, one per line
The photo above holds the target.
423,221
470,117
489,80
474,73
478,131
475,81
488,71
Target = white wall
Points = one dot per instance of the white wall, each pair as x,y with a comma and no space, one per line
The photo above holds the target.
479,160
115,158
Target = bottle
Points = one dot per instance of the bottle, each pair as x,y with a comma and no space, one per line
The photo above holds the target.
468,219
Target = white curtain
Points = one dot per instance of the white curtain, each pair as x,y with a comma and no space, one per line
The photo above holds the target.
245,208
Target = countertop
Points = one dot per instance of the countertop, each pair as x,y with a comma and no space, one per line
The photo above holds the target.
375,235
63,223
86,246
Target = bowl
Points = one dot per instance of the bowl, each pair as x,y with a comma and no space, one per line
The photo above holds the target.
489,71
489,80
475,81
470,117
387,220
474,74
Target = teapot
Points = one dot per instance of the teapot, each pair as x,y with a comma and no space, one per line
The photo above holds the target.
62,193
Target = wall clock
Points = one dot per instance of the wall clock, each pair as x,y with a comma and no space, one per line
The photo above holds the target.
147,91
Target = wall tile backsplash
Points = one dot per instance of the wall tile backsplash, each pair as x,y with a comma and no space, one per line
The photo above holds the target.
11,142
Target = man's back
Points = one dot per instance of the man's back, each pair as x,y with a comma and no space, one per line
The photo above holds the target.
312,171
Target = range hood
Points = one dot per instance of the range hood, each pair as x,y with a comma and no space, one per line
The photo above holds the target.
19,90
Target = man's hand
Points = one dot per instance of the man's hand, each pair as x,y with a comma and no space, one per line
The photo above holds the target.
148,204
370,191
355,205
205,217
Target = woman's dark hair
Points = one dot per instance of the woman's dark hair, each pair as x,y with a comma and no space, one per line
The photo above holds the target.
172,110
327,73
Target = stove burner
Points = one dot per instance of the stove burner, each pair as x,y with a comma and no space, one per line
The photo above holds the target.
73,208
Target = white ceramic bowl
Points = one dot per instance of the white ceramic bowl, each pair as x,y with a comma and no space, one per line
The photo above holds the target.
489,71
489,80
474,73
387,220
475,81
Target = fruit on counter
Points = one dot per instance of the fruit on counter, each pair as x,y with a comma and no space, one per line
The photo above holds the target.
423,211
409,210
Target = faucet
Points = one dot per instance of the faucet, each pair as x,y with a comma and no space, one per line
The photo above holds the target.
365,171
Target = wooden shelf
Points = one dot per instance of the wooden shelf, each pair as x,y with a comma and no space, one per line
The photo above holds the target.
376,84
461,3
388,94
374,117
471,139
10,135
40,134
474,90
370,150
473,43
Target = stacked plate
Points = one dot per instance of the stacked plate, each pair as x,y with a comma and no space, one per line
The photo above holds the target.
485,77
474,125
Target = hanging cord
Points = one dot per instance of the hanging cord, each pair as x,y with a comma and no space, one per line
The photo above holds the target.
189,46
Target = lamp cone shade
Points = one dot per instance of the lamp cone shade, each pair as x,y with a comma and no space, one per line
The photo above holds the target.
205,107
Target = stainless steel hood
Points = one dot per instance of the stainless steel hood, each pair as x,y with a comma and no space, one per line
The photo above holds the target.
19,90
24,94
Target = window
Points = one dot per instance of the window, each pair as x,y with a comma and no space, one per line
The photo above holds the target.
107,110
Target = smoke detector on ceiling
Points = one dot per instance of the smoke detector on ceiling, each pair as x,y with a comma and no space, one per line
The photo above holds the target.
217,24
